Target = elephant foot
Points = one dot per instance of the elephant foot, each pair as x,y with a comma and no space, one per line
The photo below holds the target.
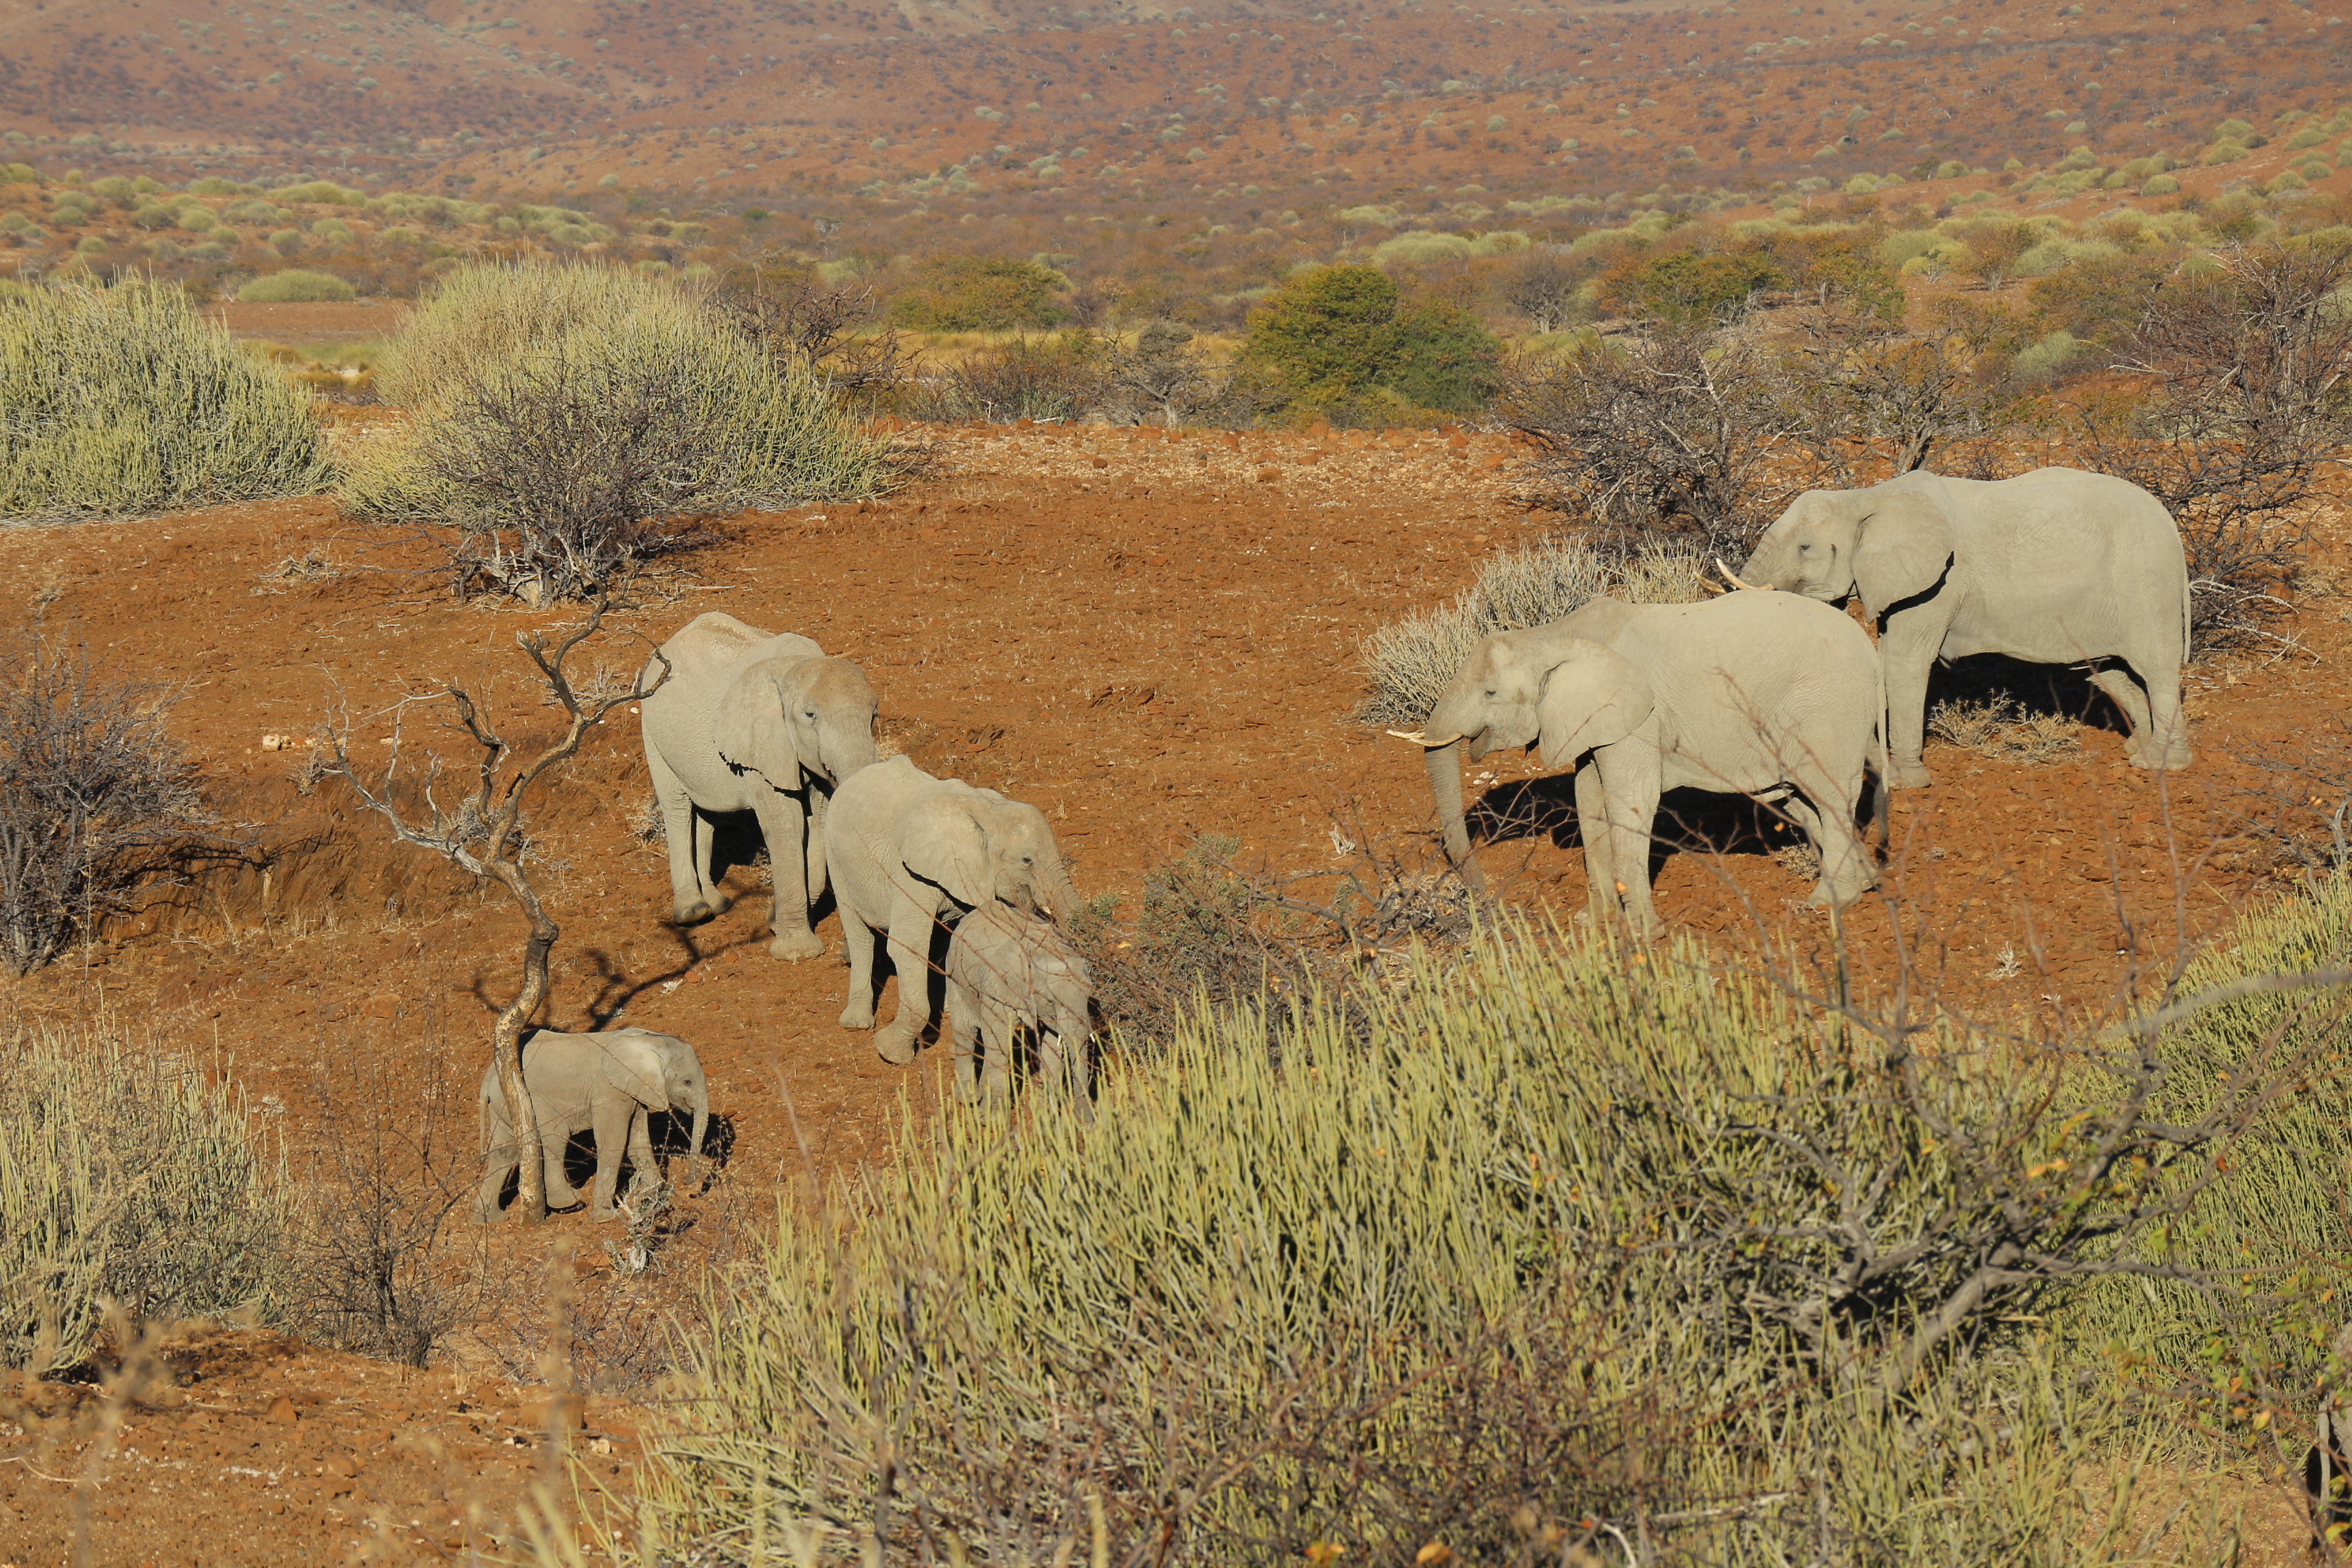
700,909
895,1046
1908,775
795,945
603,1215
2171,761
856,1017
487,1217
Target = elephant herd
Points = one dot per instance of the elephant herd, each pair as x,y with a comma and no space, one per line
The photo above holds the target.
1771,691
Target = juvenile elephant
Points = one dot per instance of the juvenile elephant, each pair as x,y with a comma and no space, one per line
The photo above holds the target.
1765,695
910,855
1010,975
606,1083
750,722
2057,566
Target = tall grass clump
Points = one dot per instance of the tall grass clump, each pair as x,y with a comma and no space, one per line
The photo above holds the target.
572,422
122,399
126,1177
1409,663
1575,1248
295,285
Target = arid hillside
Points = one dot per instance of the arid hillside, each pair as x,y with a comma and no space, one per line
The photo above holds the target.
964,107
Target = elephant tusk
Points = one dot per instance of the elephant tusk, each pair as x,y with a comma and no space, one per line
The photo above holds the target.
1731,577
1419,739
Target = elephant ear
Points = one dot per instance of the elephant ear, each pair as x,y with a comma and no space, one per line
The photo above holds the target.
1901,550
755,728
633,1066
944,843
1593,697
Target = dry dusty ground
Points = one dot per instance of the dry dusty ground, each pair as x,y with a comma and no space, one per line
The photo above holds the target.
1148,638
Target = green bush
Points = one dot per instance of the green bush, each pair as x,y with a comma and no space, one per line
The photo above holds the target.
979,294
1686,286
1572,1244
1333,334
123,399
570,420
295,286
127,1176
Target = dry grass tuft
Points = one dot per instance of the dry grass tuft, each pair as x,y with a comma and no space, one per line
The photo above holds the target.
2000,728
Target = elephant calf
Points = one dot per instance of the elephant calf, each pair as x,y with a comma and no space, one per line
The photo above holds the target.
606,1083
1010,975
910,855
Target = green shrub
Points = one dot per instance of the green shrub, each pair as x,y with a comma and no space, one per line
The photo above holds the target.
979,294
2050,356
129,1176
571,420
1335,333
1573,1243
2160,185
1685,286
123,399
295,286
324,192
1423,249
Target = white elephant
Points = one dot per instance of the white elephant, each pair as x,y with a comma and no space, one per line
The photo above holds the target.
750,722
607,1083
2057,566
910,855
1765,695
1011,976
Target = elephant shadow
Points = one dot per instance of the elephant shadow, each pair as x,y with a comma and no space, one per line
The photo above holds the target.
2052,690
1689,821
671,1133
736,840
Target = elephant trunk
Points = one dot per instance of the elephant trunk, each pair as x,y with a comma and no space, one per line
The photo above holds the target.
701,1126
1056,895
1445,764
843,753
1768,565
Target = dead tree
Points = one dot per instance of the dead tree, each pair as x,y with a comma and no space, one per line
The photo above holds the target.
483,834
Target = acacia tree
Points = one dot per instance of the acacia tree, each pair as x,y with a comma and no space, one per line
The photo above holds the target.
483,834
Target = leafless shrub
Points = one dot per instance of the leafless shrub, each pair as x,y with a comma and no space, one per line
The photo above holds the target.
1546,289
298,571
2250,362
835,332
395,1158
1998,727
1862,400
1667,440
100,808
1046,380
1163,379
562,481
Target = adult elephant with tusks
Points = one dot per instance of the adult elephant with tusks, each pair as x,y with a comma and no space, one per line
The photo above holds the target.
1765,695
2057,566
911,855
749,720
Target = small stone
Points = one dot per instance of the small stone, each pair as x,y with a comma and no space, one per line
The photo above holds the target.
281,1410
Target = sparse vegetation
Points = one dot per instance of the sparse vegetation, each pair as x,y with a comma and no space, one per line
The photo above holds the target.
131,1176
295,285
121,399
1998,727
1343,341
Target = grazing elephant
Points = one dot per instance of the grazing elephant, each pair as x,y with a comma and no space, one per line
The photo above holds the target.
910,854
1763,695
2057,566
1011,974
606,1083
748,721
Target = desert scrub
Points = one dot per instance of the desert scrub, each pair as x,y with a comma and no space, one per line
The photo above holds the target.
2000,727
1479,1273
1409,663
295,285
572,422
126,1176
122,399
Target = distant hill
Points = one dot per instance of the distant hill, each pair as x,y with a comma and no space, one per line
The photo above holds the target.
974,102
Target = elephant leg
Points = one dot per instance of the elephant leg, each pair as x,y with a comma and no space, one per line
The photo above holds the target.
611,1129
1002,1024
783,822
817,801
1633,784
913,927
692,898
964,1033
1593,825
554,1139
2167,725
858,945
1907,649
1824,811
498,1163
641,1147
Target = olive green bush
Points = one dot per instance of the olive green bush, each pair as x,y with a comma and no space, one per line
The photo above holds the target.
295,285
123,399
129,1177
1580,1247
572,421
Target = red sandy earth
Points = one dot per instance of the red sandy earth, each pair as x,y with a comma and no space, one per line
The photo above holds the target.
1147,639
